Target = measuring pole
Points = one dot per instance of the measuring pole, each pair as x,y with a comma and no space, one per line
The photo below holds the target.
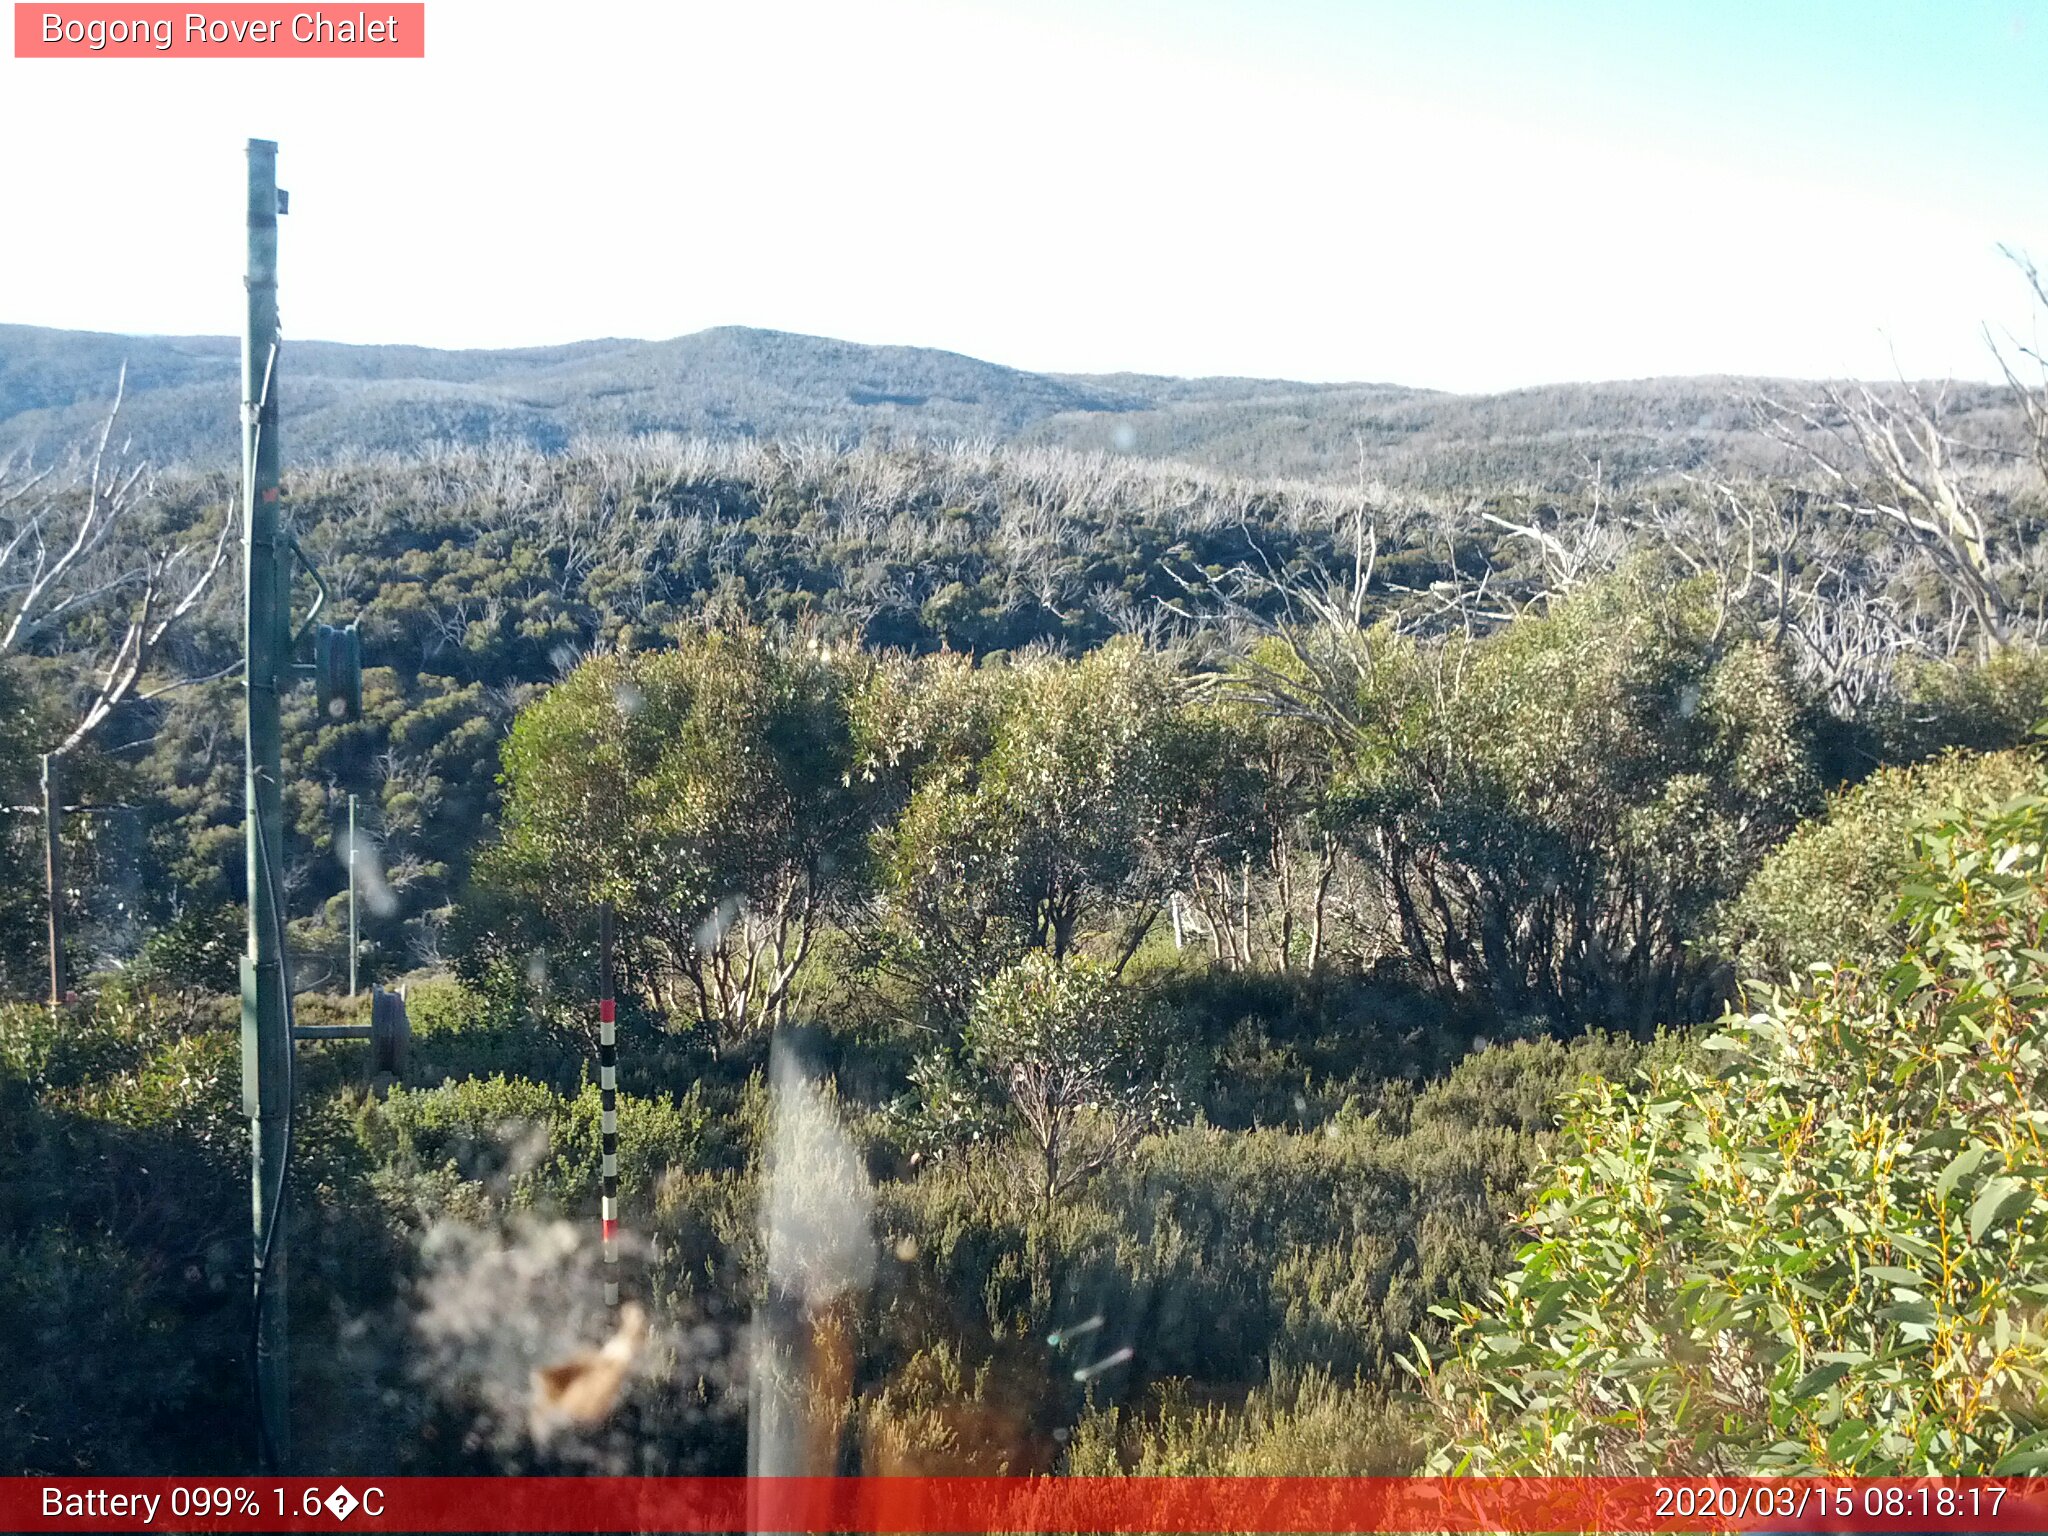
608,1103
352,946
266,1046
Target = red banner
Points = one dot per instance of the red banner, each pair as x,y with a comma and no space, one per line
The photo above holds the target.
969,1504
232,31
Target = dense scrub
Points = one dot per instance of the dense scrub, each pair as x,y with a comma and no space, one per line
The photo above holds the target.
1821,1248
1228,1259
1829,895
482,576
1165,915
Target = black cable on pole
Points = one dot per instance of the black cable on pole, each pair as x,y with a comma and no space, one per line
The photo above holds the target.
273,872
265,1451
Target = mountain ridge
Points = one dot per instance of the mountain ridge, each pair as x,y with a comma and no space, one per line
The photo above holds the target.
342,398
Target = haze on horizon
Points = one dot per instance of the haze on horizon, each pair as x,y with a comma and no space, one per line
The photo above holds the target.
1471,198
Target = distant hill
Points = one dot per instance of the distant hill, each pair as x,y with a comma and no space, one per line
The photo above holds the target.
1554,435
734,381
54,386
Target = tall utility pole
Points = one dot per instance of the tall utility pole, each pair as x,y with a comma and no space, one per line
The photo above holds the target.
266,1043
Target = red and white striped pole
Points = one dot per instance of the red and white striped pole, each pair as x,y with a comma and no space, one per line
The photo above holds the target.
608,1102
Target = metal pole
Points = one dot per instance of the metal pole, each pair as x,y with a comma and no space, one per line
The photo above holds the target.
608,1104
352,945
53,869
266,1044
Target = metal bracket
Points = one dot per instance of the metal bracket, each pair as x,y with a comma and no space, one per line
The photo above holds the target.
389,1033
320,597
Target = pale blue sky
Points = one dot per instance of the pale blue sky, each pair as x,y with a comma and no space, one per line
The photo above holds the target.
1467,196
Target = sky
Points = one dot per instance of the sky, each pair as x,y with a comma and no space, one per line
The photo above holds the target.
1471,196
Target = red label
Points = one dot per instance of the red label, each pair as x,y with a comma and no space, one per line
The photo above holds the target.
607,1011
877,1505
219,32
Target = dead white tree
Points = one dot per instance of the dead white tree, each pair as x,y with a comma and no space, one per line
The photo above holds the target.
1743,539
69,548
1577,548
2032,396
1848,638
1890,458
73,548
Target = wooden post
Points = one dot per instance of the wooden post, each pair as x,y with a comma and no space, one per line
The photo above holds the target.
354,944
53,870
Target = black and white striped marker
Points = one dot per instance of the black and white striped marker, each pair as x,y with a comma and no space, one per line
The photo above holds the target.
608,1102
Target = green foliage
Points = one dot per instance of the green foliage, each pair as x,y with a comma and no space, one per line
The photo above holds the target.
1256,823
1053,822
1237,1259
1289,1049
705,793
24,732
1080,1066
1062,885
1552,812
122,1218
937,1415
460,1033
481,576
158,1355
200,950
480,1144
1828,894
1829,1251
1320,1428
1984,707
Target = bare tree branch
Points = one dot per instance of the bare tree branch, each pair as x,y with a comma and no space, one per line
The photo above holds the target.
74,548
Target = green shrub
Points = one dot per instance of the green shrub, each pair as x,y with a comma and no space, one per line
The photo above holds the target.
937,1416
1320,1428
707,794
460,1032
200,950
124,1235
117,1361
1521,1086
1827,1253
524,1144
1290,1049
1227,1257
1075,1066
1828,895
1984,706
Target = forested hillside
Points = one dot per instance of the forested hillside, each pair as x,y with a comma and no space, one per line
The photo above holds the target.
733,381
345,401
1159,969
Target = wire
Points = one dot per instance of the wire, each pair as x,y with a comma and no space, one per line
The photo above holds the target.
265,1449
